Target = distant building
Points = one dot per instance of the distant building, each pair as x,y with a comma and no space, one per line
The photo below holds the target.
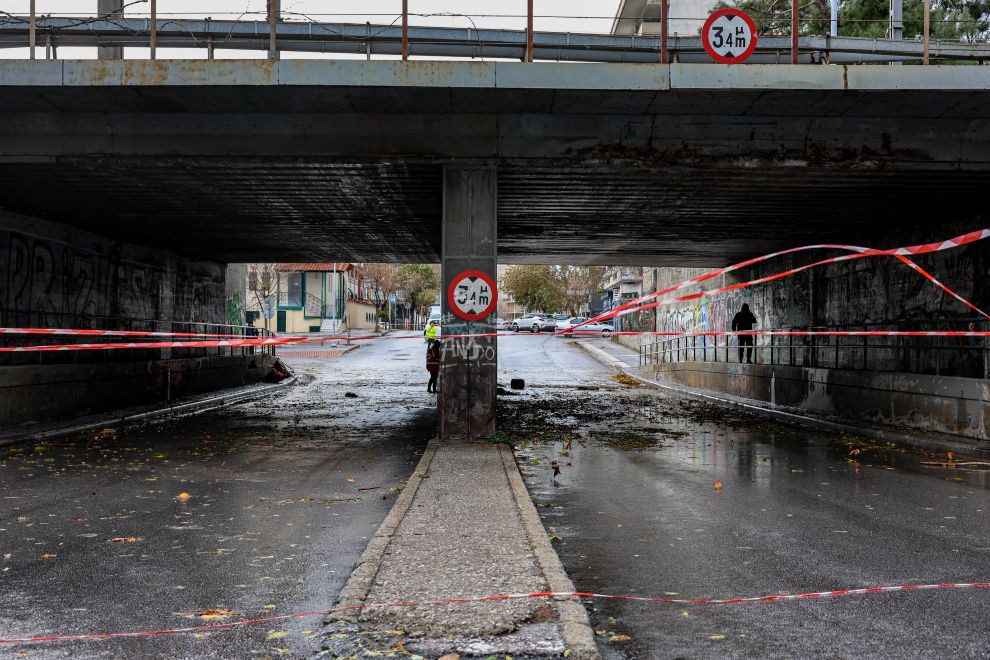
310,293
642,17
621,284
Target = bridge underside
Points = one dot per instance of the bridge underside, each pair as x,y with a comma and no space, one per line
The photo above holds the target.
610,164
248,210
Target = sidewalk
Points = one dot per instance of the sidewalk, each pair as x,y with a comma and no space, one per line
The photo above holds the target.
626,360
463,527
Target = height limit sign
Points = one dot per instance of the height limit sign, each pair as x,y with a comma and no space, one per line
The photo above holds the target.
472,295
729,36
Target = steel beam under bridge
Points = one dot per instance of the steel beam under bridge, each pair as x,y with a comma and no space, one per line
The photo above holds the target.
597,163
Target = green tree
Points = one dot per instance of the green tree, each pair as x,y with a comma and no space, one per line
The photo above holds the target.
536,288
421,283
774,16
950,19
967,20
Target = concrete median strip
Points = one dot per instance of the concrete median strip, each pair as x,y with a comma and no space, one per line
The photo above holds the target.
464,526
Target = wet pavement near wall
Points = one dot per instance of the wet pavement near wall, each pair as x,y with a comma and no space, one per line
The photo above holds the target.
663,497
258,510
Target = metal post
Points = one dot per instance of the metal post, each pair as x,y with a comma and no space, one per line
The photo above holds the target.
110,9
795,26
664,20
896,27
833,24
529,31
273,15
32,36
405,29
153,32
928,35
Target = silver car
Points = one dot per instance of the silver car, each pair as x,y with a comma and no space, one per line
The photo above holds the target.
599,328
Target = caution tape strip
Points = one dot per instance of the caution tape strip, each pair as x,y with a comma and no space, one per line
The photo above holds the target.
87,332
504,597
113,346
859,252
302,341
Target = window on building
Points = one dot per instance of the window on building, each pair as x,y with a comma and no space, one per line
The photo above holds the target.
290,289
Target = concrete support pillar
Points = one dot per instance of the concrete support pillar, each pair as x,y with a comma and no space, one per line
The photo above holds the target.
469,365
110,8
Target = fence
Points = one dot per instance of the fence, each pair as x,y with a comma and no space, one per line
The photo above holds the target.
10,318
939,355
788,35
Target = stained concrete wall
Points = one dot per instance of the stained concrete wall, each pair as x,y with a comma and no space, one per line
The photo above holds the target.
58,392
53,275
936,403
56,276
877,290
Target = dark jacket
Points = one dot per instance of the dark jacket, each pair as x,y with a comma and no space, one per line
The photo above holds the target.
433,360
743,321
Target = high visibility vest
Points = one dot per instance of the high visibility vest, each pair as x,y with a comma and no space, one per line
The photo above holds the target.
431,332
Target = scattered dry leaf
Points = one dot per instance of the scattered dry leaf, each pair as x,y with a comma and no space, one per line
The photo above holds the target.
213,614
450,656
350,480
276,634
619,638
48,555
125,539
717,484
182,497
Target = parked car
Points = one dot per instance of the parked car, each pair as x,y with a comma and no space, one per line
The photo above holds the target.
501,324
604,329
531,322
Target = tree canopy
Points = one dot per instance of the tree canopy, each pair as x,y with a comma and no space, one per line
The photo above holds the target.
966,20
421,283
551,288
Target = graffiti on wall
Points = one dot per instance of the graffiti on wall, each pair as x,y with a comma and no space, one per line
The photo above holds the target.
52,283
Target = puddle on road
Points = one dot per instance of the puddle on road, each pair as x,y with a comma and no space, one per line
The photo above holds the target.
658,494
628,419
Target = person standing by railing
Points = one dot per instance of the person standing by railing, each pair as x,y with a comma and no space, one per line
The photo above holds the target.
744,321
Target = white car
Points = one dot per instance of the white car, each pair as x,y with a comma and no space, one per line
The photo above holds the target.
530,322
603,329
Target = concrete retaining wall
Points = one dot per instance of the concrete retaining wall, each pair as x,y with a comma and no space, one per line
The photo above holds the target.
946,404
31,394
52,274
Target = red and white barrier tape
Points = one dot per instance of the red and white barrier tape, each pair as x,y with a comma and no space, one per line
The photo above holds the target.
504,597
859,252
86,332
302,341
55,348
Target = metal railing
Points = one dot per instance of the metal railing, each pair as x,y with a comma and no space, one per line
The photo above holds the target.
939,355
11,318
287,31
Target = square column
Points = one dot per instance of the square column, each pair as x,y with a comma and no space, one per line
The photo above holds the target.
468,365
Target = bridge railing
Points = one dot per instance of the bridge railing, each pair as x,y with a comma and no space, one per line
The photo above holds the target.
787,36
967,357
12,318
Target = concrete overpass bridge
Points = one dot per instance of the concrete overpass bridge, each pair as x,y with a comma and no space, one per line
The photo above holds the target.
468,162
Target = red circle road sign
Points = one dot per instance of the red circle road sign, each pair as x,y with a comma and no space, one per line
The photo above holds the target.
729,36
472,295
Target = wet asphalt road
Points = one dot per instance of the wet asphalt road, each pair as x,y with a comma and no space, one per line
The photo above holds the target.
283,495
637,511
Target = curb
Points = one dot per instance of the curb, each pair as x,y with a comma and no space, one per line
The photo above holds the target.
358,585
792,418
182,410
575,627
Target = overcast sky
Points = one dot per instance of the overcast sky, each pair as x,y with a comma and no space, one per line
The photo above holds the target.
552,15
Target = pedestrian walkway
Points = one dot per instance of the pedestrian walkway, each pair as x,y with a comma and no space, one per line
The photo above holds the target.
463,527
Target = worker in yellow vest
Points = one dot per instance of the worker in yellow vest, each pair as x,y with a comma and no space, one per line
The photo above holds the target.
432,331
